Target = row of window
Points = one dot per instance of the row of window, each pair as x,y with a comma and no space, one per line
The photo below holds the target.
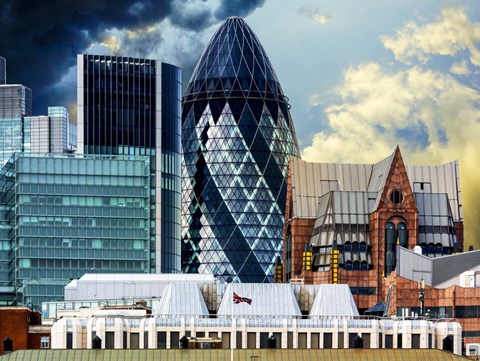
88,190
83,243
35,221
88,201
139,233
78,254
467,311
251,338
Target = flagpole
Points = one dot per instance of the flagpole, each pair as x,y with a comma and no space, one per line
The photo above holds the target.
231,335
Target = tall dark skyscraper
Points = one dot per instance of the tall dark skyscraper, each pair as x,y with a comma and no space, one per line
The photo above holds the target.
237,138
3,71
131,106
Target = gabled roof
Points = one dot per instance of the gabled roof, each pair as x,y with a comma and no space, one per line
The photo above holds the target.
395,179
334,301
267,300
182,299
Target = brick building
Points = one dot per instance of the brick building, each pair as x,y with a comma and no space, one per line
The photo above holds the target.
348,223
23,327
451,288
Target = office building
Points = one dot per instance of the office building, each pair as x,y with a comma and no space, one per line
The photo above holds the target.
131,107
65,215
237,138
52,133
15,103
22,132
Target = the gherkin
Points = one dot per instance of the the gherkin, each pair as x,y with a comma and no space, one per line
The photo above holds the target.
237,138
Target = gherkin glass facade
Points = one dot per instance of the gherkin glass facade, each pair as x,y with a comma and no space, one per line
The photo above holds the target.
237,138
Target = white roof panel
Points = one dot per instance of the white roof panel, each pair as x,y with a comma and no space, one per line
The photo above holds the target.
266,300
334,301
182,299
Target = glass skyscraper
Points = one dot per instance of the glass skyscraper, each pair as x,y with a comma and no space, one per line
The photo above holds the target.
131,106
50,133
64,215
237,138
22,132
15,103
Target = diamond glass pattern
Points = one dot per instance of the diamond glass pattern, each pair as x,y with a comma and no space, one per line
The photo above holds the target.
237,138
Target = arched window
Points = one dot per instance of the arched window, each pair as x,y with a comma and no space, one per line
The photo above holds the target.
430,249
363,247
389,248
364,265
348,246
356,265
355,247
403,234
348,265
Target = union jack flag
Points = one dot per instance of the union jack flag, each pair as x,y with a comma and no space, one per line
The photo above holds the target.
237,299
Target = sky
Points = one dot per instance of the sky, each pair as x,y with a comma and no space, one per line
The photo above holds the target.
361,76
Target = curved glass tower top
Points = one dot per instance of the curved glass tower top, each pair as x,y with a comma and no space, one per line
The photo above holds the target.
234,61
237,139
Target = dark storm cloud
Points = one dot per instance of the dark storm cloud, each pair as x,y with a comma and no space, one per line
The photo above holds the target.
237,8
40,38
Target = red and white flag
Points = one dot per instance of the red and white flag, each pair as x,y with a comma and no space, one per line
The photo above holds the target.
237,299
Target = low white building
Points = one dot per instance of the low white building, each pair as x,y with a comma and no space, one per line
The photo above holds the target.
242,316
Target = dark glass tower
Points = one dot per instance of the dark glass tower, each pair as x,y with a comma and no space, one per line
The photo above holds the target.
3,71
131,106
237,138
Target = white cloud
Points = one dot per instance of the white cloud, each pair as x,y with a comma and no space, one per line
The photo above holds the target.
373,105
452,33
314,14
460,68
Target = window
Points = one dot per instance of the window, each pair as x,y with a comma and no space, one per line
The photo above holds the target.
161,340
328,340
69,340
396,197
44,342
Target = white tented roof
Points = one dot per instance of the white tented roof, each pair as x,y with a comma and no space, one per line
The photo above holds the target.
182,299
334,301
267,300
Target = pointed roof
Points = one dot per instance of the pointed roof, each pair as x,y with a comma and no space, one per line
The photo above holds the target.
235,61
268,299
182,298
394,177
334,300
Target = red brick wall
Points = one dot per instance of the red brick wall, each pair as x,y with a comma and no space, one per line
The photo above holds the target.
14,323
